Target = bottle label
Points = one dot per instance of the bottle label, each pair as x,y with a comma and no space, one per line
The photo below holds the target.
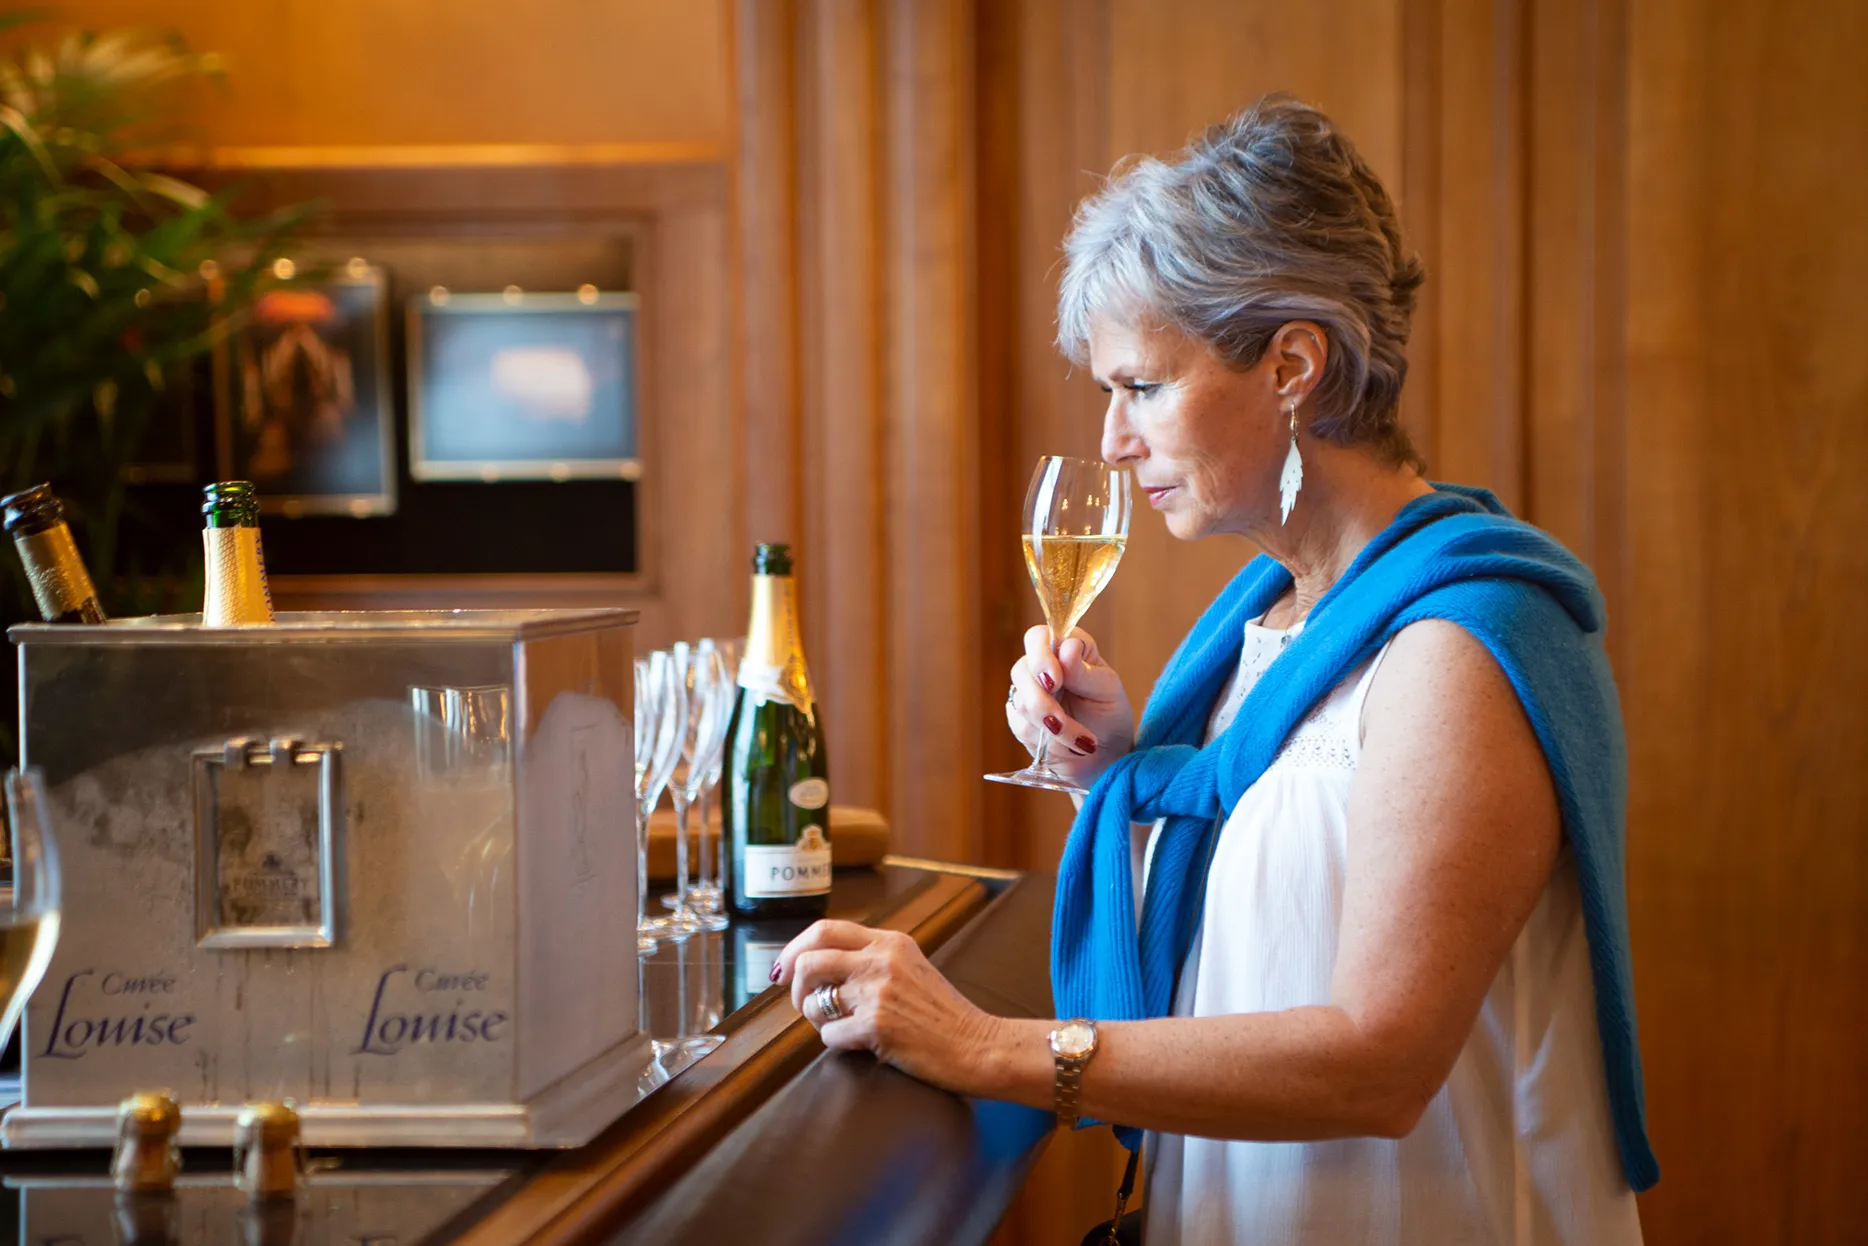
800,869
770,683
810,793
237,592
756,961
60,584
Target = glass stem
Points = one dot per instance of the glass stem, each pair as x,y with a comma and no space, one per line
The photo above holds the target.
1040,762
719,864
681,989
642,863
681,851
705,872
642,995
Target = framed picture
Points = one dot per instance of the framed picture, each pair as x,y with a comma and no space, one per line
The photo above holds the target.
305,409
522,386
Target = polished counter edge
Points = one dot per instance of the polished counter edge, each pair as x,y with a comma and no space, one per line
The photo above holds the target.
579,1194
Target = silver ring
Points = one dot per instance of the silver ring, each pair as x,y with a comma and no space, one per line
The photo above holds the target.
1011,695
828,1005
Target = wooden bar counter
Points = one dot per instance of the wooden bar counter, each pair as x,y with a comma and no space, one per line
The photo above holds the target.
745,1128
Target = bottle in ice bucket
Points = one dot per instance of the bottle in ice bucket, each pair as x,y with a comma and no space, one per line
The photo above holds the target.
36,521
775,797
236,580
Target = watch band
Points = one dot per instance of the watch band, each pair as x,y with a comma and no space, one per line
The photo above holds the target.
1072,1045
1069,1089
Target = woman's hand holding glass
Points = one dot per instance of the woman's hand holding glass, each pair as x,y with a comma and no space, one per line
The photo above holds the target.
1075,700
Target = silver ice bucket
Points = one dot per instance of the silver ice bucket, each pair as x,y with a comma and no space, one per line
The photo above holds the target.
381,864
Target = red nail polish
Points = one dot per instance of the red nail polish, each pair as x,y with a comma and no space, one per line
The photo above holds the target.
1085,744
1057,728
1044,677
776,967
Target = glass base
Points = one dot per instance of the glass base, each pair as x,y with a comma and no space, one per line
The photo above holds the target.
664,930
1031,776
692,1047
703,898
699,913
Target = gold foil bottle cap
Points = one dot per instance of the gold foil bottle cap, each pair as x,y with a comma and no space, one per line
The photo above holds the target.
266,1150
147,1156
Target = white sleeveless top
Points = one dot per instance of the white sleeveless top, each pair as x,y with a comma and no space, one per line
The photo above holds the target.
1517,1147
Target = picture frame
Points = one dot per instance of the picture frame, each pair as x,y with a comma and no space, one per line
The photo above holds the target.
304,404
524,386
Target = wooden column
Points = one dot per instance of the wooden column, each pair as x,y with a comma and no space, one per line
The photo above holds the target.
841,569
1466,68
932,508
856,209
766,329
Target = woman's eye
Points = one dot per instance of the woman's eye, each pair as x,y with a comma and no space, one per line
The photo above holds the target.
1142,388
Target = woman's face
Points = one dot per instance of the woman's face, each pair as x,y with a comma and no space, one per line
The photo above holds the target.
1205,441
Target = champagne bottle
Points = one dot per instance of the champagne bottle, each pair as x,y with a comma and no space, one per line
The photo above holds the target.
36,521
236,591
775,796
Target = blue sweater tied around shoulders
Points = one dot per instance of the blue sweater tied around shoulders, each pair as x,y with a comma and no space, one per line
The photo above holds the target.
1455,554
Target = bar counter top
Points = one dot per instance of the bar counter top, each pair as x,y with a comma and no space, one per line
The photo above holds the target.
745,1129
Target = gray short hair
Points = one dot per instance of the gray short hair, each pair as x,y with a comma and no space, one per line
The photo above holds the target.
1269,217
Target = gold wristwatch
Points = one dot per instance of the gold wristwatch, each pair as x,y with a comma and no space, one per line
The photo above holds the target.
1072,1045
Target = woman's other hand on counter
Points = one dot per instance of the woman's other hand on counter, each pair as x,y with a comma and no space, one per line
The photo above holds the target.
894,1002
1073,698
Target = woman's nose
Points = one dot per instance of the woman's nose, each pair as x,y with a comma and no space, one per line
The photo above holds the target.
1120,444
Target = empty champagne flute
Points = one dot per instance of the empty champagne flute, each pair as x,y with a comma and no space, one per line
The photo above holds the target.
698,667
661,718
1076,526
709,894
29,909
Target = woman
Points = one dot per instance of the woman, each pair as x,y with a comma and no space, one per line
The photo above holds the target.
1379,989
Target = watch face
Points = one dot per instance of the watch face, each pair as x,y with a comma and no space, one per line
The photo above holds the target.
1073,1039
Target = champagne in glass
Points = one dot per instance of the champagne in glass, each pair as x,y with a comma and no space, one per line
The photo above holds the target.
29,910
1076,525
1069,572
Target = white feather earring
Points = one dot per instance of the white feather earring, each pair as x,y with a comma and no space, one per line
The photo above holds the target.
1291,479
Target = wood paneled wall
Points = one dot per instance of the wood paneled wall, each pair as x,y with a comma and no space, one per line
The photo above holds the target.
594,82
1746,681
856,236
1641,223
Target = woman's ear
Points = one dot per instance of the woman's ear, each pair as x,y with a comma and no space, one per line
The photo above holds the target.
1298,351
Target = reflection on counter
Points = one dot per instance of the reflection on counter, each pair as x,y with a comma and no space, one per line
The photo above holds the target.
208,1210
695,995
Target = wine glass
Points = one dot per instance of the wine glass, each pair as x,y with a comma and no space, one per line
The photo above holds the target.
1076,525
709,894
698,667
29,909
661,718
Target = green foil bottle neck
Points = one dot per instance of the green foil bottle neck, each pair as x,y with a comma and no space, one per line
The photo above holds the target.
230,504
771,559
